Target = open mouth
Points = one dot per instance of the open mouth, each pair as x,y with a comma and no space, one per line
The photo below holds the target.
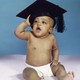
38,29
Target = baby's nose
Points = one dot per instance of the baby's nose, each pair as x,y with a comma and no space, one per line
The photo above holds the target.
39,24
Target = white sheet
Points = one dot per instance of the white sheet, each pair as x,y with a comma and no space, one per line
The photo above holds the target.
11,66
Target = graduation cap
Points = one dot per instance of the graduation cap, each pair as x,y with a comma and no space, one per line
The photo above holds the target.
44,8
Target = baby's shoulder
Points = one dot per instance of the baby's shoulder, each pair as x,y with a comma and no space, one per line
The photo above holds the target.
52,36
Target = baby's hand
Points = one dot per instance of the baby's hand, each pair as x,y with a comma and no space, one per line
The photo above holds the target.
54,63
27,21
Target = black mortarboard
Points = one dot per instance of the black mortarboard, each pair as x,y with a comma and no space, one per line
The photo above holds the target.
44,8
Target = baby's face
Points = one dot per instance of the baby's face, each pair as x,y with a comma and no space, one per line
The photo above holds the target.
42,26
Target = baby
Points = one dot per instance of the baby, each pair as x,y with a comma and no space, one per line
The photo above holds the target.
42,50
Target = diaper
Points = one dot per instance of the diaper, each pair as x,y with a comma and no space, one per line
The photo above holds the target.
42,70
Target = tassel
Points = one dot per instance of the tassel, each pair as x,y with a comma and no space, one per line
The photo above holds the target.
60,27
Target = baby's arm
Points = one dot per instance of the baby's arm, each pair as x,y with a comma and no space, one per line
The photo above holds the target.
20,30
55,52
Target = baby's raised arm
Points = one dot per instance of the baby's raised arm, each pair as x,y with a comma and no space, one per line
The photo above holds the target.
20,30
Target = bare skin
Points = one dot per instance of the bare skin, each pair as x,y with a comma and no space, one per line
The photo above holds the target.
42,48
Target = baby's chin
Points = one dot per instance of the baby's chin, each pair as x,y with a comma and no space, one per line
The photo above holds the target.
40,35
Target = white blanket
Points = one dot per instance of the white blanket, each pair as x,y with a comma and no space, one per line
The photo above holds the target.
11,66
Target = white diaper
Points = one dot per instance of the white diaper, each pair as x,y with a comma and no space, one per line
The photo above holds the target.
42,70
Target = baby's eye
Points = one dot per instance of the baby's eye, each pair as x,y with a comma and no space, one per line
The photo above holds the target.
44,22
35,21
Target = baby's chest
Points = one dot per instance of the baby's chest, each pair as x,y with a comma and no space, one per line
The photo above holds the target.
40,45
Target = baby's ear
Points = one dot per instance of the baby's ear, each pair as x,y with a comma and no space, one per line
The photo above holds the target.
50,30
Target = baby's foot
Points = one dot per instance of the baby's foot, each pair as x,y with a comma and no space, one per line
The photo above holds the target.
70,76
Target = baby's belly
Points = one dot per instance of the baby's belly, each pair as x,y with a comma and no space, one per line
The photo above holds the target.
38,61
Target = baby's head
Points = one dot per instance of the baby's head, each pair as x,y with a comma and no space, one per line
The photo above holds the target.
42,23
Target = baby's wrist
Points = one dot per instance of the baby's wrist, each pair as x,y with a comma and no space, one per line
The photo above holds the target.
25,22
54,62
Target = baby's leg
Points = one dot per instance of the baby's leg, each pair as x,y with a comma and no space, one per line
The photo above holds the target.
60,72
30,74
